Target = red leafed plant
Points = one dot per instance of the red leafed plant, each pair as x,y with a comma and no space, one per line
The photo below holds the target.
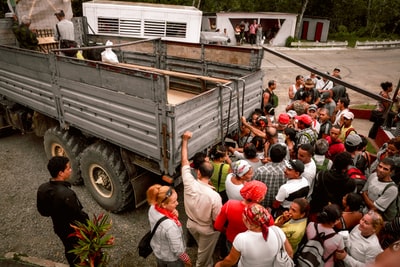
93,239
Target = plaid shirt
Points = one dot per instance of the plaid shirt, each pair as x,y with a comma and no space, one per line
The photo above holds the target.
272,174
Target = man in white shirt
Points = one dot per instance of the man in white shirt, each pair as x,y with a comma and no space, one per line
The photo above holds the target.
202,205
64,29
296,187
305,154
342,106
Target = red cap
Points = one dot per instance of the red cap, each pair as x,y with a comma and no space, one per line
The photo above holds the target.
306,119
283,118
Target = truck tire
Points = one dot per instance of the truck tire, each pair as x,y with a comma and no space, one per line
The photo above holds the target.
60,142
105,177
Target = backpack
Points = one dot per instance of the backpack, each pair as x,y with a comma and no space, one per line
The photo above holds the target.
311,139
362,162
311,253
358,176
349,131
393,210
273,99
323,166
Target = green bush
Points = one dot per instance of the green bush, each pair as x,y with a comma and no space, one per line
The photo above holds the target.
289,40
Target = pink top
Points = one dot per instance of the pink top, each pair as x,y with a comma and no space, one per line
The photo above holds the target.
330,245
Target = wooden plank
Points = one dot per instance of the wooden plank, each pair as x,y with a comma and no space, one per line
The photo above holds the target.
176,97
46,40
177,74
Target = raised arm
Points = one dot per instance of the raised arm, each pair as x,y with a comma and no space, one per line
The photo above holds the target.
185,138
253,129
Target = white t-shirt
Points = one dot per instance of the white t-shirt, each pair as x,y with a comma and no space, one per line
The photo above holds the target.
254,250
361,250
338,115
324,85
375,189
310,171
290,187
232,190
65,29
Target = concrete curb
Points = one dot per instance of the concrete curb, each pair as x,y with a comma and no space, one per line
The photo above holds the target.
25,260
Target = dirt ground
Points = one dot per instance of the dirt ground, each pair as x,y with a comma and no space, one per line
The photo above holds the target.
23,161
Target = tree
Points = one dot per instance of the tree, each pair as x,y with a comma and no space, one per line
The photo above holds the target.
300,18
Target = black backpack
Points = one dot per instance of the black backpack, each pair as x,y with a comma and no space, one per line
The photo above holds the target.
311,253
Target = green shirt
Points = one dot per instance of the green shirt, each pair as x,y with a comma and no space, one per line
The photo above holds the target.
26,38
215,175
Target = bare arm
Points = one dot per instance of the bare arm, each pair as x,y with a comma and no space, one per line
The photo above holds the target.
290,92
289,248
185,138
229,260
370,204
253,129
266,97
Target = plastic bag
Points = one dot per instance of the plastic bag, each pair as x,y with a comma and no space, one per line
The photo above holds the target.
108,55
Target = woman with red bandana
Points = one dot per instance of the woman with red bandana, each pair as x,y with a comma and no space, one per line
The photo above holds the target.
167,243
259,245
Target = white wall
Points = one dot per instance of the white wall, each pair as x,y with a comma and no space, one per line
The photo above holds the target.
287,28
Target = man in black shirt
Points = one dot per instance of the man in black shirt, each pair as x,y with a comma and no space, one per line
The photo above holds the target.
56,199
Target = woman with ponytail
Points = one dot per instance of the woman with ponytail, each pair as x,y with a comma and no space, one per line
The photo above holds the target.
327,219
257,246
168,242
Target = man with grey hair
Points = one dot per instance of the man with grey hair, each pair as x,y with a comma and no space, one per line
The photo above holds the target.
26,38
320,149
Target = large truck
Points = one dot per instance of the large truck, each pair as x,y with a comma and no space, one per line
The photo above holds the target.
121,124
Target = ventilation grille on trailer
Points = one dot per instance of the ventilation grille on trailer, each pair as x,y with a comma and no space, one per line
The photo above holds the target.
132,27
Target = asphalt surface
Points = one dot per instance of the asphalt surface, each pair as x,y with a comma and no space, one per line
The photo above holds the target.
23,161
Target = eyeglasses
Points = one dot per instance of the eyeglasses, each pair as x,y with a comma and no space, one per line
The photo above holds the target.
168,194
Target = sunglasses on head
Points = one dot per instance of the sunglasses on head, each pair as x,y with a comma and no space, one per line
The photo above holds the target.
168,194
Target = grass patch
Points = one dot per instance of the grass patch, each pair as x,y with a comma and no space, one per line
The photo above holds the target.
363,106
371,148
351,38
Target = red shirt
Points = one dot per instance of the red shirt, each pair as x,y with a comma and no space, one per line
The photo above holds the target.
231,215
231,212
334,148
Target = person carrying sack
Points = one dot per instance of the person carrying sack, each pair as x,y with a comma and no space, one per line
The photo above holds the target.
64,34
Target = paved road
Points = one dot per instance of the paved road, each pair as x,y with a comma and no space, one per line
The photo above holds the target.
363,68
22,161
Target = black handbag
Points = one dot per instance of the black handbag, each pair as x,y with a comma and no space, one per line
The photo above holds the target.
64,43
144,244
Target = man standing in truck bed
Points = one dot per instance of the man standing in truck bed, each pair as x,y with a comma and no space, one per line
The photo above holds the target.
202,205
26,38
64,28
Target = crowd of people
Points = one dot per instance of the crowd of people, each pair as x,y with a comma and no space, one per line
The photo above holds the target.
292,176
253,33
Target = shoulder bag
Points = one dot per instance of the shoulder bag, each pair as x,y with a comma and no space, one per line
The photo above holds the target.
144,244
64,43
282,259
